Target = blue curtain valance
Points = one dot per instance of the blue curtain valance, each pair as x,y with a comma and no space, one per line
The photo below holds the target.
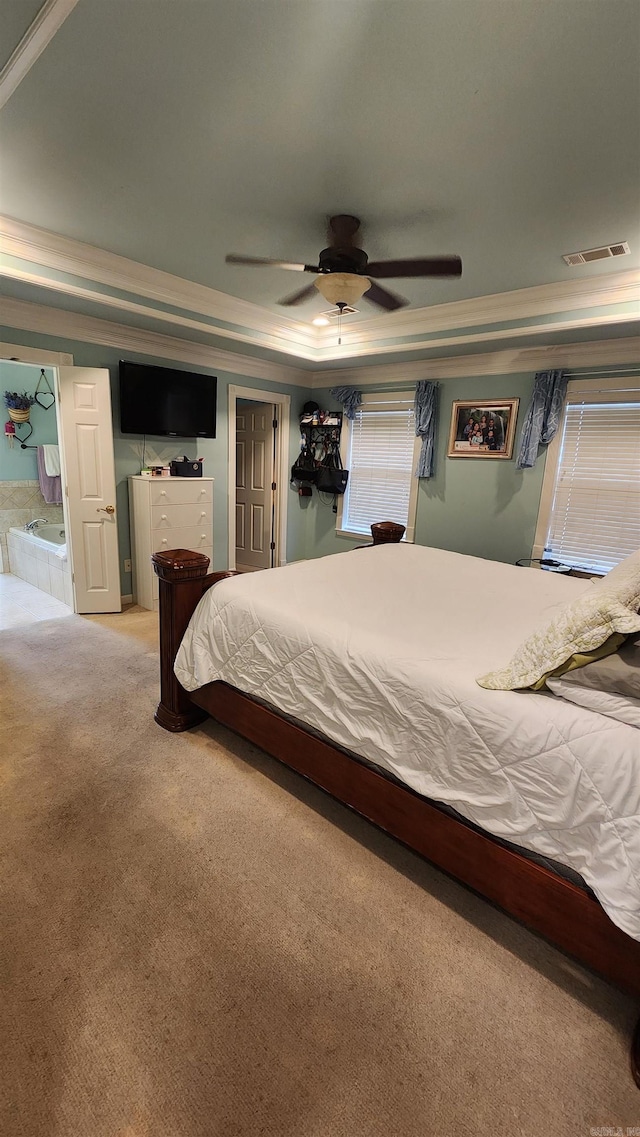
543,415
426,409
350,398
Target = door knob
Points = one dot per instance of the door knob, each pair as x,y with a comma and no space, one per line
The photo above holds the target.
106,509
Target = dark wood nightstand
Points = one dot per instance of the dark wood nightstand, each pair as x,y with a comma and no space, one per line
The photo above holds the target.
385,533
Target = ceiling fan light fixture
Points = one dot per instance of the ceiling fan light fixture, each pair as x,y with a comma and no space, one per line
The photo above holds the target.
342,287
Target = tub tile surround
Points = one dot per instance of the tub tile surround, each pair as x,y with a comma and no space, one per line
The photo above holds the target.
40,567
20,502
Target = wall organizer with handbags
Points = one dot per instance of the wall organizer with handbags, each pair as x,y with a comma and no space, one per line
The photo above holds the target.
319,463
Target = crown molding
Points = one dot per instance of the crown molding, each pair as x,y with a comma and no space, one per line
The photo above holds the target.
476,337
58,322
600,353
148,311
63,254
311,356
576,303
37,36
500,307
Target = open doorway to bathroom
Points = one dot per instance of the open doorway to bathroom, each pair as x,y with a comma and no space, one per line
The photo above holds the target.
35,572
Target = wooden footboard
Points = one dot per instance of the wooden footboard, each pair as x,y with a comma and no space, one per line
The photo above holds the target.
549,904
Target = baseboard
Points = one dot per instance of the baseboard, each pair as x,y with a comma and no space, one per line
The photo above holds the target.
126,599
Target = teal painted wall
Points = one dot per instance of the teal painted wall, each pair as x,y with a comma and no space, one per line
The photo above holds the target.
128,450
16,464
482,507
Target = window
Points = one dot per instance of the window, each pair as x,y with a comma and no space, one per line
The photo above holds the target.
381,453
594,509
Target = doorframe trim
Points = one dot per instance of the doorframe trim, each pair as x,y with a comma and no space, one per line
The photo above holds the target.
283,403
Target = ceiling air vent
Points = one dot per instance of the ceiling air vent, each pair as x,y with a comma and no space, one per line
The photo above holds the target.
335,313
600,254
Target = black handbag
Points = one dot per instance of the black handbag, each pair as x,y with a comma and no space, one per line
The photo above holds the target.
305,469
332,478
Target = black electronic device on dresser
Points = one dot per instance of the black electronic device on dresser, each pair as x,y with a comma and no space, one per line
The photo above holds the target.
183,468
166,401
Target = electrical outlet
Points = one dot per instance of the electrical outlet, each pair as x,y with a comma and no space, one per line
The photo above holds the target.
127,565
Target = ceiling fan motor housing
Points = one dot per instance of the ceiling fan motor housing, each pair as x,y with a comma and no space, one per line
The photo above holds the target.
343,260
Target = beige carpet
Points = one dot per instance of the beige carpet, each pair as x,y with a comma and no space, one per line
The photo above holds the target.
196,943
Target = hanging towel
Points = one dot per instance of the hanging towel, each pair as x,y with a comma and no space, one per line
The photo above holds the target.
52,461
50,488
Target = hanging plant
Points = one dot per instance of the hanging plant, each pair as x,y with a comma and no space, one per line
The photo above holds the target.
18,405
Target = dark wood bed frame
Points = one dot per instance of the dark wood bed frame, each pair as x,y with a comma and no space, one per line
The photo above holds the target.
563,912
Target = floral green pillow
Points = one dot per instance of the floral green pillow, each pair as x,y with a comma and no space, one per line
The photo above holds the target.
591,627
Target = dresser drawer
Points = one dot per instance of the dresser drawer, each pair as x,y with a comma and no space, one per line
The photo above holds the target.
192,537
174,491
180,516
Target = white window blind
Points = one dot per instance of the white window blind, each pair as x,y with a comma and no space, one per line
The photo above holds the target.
380,463
595,517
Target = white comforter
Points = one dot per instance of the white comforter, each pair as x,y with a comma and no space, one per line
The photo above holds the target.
379,649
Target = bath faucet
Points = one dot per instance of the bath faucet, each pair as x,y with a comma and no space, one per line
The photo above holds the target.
37,521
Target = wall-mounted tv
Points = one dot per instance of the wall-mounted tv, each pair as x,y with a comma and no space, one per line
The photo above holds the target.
163,400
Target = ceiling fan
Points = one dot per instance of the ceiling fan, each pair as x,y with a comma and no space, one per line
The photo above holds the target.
351,271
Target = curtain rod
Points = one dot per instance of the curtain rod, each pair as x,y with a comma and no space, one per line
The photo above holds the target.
612,373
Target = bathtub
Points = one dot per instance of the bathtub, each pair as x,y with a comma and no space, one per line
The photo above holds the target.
44,536
34,557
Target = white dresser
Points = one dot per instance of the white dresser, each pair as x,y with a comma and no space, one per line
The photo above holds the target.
167,513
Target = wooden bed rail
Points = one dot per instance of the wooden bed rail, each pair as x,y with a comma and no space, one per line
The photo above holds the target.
183,579
549,904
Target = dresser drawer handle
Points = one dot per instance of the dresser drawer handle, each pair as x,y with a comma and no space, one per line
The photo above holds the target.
164,517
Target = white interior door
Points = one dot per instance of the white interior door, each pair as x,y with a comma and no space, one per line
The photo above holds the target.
86,442
254,485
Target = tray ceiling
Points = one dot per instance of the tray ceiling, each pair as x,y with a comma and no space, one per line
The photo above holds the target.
172,133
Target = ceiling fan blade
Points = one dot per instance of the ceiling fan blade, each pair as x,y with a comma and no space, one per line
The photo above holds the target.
417,266
299,297
235,259
384,298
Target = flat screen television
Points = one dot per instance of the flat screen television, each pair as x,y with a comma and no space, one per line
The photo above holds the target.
163,400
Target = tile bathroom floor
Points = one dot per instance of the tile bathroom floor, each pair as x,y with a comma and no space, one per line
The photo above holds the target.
21,603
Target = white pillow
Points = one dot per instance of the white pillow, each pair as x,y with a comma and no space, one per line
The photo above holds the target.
618,674
598,620
620,707
625,578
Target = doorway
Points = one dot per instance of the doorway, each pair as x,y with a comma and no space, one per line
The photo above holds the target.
35,572
70,549
258,457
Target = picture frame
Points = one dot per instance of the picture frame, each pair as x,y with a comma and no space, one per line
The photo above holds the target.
483,428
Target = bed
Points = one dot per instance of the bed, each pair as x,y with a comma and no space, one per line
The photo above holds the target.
359,671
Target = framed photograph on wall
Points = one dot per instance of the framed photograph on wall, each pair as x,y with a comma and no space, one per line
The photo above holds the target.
483,429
